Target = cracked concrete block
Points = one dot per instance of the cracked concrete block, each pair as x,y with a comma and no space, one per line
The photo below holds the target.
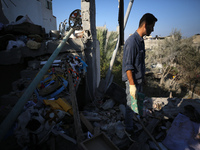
34,64
108,104
122,109
119,130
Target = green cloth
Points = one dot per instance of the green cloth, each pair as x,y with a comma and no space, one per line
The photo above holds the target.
137,104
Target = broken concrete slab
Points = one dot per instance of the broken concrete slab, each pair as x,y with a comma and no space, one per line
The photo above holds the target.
87,123
16,55
119,130
169,107
108,104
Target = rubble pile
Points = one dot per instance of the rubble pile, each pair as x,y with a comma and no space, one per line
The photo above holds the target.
49,104
23,38
47,119
20,34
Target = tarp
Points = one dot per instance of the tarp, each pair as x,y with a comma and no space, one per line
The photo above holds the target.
183,134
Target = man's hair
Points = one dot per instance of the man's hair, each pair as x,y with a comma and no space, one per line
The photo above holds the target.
148,19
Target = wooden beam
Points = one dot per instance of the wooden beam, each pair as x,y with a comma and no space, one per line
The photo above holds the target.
77,122
87,123
145,135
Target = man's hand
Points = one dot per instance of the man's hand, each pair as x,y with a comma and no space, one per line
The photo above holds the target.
133,91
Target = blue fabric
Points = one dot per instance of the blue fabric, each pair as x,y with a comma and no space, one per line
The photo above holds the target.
182,134
134,58
53,95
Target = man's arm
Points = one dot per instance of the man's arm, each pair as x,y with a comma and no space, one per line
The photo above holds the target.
130,77
132,87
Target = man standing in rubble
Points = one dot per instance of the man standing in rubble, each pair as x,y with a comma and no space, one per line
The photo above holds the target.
133,65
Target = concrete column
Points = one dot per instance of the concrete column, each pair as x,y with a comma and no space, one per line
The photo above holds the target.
88,12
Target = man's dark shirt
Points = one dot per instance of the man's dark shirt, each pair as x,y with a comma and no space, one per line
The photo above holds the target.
134,58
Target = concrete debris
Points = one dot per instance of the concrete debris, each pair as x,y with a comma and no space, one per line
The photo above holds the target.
122,109
34,125
48,115
108,104
90,118
14,44
107,117
119,130
65,136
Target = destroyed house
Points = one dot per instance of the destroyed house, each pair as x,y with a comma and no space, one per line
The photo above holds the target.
38,11
52,96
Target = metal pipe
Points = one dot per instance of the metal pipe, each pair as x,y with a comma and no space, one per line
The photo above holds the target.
117,45
12,116
128,12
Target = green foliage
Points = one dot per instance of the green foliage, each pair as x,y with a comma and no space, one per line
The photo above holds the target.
107,42
171,47
117,71
176,34
189,59
174,70
177,56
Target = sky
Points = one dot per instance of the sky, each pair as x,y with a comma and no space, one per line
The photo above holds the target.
182,15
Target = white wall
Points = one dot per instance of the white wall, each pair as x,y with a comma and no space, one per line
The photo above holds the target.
151,44
49,21
35,9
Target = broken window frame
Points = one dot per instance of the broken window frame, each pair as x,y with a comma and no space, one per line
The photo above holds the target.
49,5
